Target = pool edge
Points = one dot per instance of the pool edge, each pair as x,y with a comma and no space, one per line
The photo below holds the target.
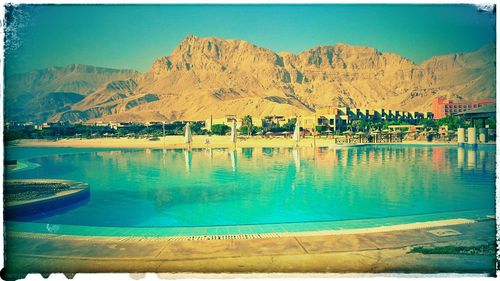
193,235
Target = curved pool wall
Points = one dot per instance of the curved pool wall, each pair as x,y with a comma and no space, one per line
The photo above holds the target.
259,229
28,210
297,181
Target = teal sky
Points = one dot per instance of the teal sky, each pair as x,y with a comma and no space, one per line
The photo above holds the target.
133,36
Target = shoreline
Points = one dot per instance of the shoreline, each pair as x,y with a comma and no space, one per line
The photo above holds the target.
199,142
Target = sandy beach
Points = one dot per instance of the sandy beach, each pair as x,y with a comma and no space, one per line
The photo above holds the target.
178,142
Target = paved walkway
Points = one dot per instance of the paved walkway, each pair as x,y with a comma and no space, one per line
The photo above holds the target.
362,252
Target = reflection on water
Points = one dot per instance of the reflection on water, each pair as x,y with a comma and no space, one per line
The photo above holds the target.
188,160
460,157
471,158
232,153
264,185
296,158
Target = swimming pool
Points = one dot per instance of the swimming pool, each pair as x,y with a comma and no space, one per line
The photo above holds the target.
149,191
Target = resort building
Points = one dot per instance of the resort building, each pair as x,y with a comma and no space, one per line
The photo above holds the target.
442,107
257,122
273,121
307,122
339,118
226,120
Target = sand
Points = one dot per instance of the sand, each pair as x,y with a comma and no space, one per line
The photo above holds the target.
178,142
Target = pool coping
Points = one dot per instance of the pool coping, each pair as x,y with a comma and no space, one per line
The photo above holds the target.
257,230
377,229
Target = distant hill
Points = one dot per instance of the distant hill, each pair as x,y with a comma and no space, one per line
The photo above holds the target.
212,76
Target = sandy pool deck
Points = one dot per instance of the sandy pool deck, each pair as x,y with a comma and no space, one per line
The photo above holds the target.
387,251
178,142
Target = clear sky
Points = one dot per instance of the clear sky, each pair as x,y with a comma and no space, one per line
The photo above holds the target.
133,36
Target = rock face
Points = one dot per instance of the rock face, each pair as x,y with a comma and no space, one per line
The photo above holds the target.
211,76
40,94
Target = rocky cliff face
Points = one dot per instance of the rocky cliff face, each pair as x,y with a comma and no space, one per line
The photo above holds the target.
54,87
211,76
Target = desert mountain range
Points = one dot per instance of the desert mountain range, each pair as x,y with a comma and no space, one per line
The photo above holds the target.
212,76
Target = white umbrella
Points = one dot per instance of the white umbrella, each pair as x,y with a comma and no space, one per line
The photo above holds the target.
188,137
233,132
296,132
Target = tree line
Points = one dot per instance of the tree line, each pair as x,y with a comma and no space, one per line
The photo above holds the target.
247,128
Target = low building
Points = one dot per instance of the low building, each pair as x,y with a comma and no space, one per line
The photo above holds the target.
273,121
307,122
339,118
226,120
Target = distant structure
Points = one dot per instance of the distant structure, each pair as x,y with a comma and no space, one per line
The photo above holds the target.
339,118
226,120
329,118
442,107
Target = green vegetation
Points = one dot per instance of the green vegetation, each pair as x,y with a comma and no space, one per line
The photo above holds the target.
247,123
492,123
429,123
320,129
245,130
220,129
455,122
258,130
484,249
290,125
136,130
365,126
452,122
287,127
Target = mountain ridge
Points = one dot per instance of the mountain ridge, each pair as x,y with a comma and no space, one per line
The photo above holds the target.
206,76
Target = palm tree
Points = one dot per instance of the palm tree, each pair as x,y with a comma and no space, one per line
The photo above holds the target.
247,121
356,125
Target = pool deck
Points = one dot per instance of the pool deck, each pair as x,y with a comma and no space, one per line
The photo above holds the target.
359,252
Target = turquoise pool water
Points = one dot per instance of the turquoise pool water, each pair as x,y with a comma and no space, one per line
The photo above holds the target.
176,189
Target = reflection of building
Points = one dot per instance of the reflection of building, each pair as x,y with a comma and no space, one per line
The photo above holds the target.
442,107
438,158
460,157
471,158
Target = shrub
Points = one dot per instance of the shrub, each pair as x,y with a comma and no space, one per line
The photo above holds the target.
220,129
430,137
